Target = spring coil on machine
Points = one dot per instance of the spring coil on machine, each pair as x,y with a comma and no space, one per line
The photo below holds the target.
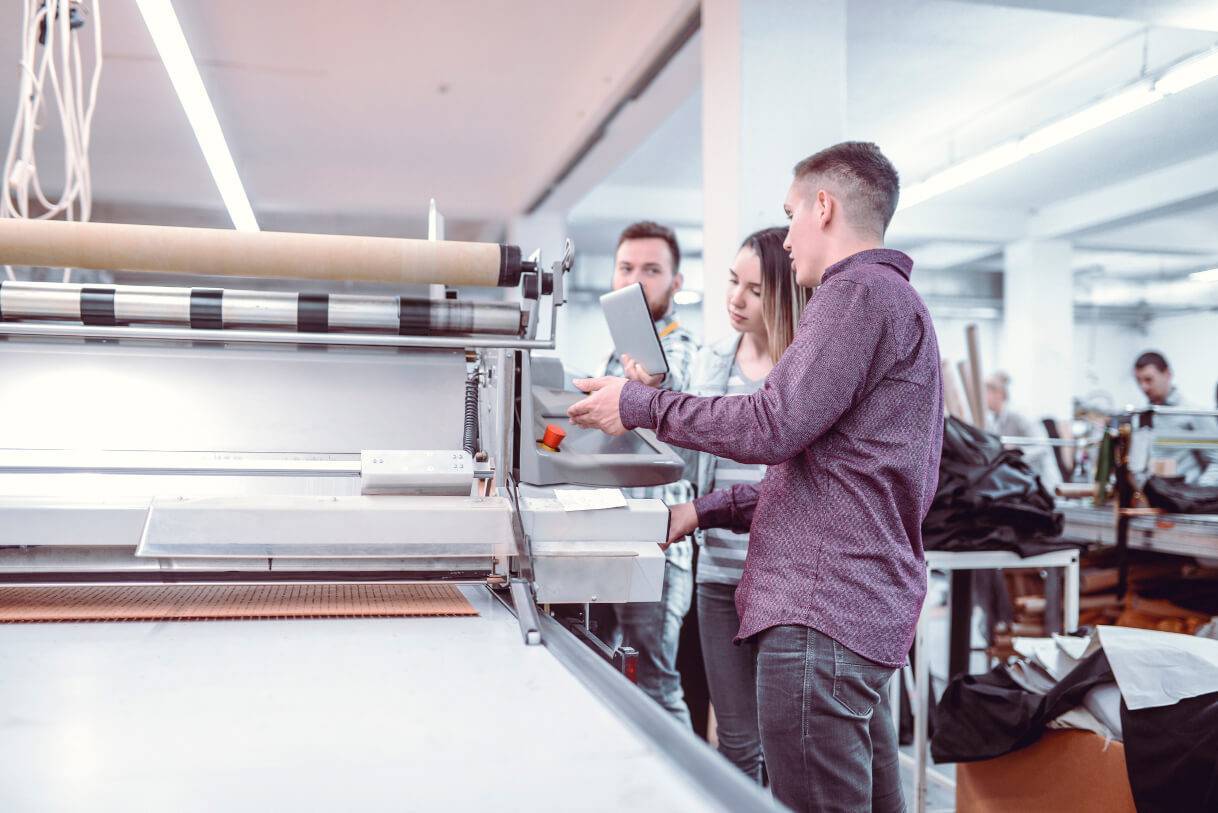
470,438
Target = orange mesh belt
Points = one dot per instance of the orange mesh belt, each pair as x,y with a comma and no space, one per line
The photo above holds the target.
201,602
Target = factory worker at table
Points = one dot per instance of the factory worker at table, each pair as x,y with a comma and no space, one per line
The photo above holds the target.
1154,376
1001,420
648,254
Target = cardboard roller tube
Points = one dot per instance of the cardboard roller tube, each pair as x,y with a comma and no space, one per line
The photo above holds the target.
952,401
966,378
976,390
222,252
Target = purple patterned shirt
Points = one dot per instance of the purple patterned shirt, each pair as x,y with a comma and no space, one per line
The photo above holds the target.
850,423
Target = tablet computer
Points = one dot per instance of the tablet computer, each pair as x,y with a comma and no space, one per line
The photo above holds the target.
633,331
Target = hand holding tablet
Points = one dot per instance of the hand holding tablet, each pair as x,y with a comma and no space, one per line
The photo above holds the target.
634,333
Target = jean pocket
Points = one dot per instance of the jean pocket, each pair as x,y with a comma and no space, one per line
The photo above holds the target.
857,682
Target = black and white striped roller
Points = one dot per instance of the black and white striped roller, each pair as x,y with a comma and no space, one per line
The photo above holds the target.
217,309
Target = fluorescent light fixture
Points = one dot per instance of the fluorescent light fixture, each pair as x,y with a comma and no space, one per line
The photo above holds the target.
687,297
1204,276
1091,117
170,43
1188,73
963,173
1181,76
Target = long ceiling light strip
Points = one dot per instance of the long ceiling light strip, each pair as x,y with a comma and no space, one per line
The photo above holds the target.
1141,94
1210,275
171,44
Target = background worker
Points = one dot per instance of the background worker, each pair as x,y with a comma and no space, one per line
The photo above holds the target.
648,254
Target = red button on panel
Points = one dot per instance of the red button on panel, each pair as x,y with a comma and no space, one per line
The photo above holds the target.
553,437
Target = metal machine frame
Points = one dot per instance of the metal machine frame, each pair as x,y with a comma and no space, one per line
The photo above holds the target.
498,361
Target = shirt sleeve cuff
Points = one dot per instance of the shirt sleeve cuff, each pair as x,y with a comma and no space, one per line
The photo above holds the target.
714,509
634,406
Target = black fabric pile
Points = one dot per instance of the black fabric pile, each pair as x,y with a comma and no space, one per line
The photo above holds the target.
1196,592
989,498
1171,752
986,716
1174,495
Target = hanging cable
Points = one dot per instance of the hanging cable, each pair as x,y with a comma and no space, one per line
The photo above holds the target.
52,72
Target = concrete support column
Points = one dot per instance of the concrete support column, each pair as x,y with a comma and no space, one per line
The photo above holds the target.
1038,327
773,93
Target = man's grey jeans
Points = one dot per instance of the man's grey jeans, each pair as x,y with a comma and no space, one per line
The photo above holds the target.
826,724
654,629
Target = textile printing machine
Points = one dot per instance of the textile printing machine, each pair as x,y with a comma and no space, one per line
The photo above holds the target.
350,436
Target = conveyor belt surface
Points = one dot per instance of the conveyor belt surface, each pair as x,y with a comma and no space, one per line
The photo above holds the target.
406,714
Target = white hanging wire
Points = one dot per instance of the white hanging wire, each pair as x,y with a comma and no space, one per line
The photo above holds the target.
54,68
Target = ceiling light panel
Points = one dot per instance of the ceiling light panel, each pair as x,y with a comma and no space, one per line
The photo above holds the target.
166,31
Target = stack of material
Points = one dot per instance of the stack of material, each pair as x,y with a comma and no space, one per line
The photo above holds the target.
1172,494
1166,593
989,498
1155,691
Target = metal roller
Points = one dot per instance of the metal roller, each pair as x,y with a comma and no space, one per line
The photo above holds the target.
215,309
222,252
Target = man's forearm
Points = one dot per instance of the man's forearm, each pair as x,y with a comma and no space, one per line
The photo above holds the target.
736,427
730,508
819,377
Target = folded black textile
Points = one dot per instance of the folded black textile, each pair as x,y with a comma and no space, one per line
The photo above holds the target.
1196,590
986,716
1171,755
1171,752
1174,495
989,498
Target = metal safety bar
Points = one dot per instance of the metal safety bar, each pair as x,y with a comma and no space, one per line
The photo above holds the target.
228,308
1064,443
265,336
219,464
1170,410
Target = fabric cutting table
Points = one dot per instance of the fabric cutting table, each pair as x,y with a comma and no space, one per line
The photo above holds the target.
415,714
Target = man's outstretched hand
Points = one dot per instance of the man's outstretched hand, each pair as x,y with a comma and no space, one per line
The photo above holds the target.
635,371
682,521
600,409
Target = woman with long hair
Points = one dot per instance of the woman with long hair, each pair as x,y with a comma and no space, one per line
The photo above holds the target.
764,304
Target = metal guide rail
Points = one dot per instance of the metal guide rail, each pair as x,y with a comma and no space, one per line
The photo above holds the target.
1179,534
229,309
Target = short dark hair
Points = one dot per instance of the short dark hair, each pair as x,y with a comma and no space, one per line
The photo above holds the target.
866,181
647,229
1151,358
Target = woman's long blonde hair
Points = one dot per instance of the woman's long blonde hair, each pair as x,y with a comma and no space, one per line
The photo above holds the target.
782,298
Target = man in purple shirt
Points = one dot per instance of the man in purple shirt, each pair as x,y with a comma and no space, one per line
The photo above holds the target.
850,423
